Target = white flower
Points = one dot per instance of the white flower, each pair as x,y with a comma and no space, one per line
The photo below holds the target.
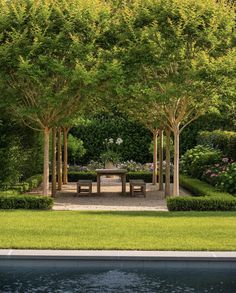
119,141
110,140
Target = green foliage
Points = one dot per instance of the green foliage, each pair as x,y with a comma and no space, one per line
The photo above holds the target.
199,188
207,198
76,149
227,179
110,156
144,175
20,152
136,138
208,122
34,181
21,187
222,140
87,175
215,203
195,161
29,202
90,175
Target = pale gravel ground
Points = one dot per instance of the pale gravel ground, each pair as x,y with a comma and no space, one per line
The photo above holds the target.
111,198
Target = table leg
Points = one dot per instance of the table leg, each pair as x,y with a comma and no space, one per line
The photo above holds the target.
98,184
123,179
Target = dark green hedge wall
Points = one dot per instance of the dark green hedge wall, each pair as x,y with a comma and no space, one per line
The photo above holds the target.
136,139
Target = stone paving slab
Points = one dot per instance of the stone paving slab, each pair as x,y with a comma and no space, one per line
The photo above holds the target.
119,255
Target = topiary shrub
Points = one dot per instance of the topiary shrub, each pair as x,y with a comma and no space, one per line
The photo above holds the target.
29,202
222,140
196,160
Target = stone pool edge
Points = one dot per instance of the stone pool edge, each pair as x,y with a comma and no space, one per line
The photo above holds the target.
118,255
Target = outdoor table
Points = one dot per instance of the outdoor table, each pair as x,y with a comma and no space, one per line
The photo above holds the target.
117,172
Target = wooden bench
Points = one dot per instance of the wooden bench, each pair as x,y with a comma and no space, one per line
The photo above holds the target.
137,186
84,187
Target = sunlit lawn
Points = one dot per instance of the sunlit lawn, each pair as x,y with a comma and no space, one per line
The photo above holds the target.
118,230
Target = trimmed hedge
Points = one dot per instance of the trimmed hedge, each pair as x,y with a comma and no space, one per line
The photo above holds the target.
202,203
29,202
75,176
206,198
223,140
200,188
91,175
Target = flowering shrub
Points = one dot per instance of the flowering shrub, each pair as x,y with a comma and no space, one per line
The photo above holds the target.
112,153
134,166
213,172
227,179
196,160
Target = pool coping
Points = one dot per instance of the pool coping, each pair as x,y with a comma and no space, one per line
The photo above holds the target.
118,255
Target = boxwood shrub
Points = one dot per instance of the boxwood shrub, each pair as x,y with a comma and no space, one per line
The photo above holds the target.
205,198
200,188
91,175
31,202
201,203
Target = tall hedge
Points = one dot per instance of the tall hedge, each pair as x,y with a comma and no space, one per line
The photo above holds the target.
136,138
222,140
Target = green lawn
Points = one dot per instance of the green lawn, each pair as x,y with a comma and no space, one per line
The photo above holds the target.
118,230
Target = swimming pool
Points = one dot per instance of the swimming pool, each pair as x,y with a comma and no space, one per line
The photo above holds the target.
110,271
51,276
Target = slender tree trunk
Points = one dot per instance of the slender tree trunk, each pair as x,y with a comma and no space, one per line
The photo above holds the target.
167,177
54,161
154,173
59,160
176,161
65,161
160,175
46,161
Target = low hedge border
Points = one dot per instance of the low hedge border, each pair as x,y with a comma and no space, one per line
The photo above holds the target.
91,175
29,202
201,203
200,188
205,198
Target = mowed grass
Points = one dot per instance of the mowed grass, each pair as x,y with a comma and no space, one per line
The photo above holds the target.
118,230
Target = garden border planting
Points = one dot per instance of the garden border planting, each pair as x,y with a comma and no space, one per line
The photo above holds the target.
205,198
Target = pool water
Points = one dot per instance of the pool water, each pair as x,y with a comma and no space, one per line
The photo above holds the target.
30,280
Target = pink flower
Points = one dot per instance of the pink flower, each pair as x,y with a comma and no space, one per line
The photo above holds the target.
225,160
214,175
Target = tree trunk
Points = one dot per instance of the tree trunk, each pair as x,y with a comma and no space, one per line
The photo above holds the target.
176,161
160,175
59,160
46,161
154,172
54,161
65,161
167,177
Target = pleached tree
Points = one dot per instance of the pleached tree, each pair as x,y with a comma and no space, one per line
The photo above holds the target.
164,49
48,61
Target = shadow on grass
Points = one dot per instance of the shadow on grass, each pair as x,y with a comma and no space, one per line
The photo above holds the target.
157,214
160,214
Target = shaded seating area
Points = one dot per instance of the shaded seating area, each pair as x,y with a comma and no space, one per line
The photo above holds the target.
84,187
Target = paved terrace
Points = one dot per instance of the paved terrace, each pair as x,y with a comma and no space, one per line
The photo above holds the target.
111,198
